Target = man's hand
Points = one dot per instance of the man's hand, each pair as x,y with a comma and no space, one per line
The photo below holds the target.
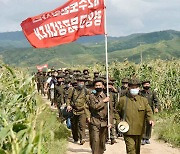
46,90
88,120
114,89
151,123
109,126
69,108
156,110
106,100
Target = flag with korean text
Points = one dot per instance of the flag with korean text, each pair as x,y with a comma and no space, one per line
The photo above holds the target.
65,24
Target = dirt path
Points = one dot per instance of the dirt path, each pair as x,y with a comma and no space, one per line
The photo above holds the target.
156,146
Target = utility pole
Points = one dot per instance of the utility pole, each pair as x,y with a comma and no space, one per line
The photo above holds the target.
141,57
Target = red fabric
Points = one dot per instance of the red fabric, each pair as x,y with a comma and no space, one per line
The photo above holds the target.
65,24
40,67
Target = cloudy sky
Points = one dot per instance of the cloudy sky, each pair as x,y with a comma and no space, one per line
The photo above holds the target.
124,17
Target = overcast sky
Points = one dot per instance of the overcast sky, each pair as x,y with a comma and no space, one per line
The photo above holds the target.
124,17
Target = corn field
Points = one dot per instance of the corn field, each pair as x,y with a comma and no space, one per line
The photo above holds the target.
164,77
18,113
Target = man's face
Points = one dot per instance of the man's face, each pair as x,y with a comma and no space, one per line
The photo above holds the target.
60,80
110,86
86,72
146,85
80,82
96,75
125,84
99,85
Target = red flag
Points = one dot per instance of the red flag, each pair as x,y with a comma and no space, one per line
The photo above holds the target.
65,24
40,67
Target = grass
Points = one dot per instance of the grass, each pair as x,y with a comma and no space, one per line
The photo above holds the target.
167,127
54,133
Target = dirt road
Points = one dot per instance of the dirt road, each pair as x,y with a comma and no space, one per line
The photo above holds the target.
156,147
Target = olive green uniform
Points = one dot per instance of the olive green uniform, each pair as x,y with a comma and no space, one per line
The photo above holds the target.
78,100
58,97
98,122
154,103
113,102
137,111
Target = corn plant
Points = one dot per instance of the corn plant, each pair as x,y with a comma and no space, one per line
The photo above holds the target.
18,113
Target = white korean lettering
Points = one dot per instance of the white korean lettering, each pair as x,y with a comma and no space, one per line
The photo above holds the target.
83,19
90,4
37,20
74,7
54,29
96,2
48,30
83,4
74,23
90,17
57,13
43,31
37,33
97,18
62,30
65,11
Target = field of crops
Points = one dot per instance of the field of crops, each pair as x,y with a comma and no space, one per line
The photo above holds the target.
164,77
19,110
18,113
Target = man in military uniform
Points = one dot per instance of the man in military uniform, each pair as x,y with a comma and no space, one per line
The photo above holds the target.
124,88
154,103
98,117
77,102
96,75
134,109
58,92
38,81
113,102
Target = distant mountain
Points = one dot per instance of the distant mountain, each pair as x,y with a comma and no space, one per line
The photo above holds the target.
18,40
15,50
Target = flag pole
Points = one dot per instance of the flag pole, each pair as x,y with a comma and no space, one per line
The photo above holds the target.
107,67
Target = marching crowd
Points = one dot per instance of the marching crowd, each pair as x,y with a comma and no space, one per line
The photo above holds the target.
82,102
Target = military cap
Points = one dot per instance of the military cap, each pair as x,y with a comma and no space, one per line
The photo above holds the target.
73,81
87,77
61,75
89,83
125,80
134,81
98,80
103,77
110,83
67,81
146,81
85,70
96,72
112,79
81,79
78,71
53,71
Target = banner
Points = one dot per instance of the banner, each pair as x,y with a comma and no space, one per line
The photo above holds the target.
65,24
40,67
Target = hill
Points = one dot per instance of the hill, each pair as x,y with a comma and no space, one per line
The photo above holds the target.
163,45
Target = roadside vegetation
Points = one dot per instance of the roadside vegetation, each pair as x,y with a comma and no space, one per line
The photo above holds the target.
26,124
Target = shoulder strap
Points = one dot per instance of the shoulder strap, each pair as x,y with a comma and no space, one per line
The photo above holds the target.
125,108
74,100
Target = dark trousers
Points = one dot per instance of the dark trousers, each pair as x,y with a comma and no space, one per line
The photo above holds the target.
147,131
133,143
97,139
78,125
